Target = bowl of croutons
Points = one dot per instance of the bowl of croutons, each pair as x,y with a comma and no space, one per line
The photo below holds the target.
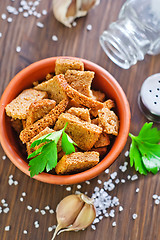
63,120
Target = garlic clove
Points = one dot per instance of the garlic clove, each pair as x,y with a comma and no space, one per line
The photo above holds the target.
66,11
83,220
67,211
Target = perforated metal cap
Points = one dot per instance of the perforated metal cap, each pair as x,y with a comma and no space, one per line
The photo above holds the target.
149,98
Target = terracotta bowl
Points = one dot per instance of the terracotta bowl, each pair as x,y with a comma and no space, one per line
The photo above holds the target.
103,81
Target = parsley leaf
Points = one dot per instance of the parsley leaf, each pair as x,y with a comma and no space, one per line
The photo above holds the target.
46,157
145,150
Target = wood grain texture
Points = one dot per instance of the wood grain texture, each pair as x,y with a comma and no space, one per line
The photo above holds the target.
37,44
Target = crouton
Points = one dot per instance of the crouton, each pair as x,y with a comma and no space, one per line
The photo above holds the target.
95,121
17,125
108,121
80,80
18,108
77,162
81,98
82,113
101,150
54,88
98,95
35,83
38,110
47,121
63,64
73,103
102,141
83,133
109,104
24,123
47,130
49,76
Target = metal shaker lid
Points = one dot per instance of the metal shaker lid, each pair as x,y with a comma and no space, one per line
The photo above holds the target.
149,98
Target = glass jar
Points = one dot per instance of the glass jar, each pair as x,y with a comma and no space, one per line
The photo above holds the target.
136,33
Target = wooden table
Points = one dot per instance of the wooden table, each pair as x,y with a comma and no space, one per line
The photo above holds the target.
36,44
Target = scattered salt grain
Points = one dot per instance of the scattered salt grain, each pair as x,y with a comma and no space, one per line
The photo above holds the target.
36,226
40,25
100,217
20,9
15,183
74,24
54,38
106,215
11,176
117,181
36,222
0,37
10,9
137,190
10,182
0,210
50,229
96,220
25,231
128,177
36,210
89,27
99,181
123,180
7,228
87,182
9,20
29,208
155,196
43,212
6,210
120,208
106,171
114,224
157,201
23,194
134,177
114,175
126,154
93,227
3,16
44,12
3,201
3,157
18,49
21,199
134,216
68,189
38,15
47,207
25,14
51,211
79,186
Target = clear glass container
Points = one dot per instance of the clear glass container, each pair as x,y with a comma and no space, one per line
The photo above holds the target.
136,33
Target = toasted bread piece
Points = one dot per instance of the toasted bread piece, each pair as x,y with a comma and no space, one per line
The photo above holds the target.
24,123
83,133
49,76
77,162
95,121
80,80
64,64
17,125
109,104
54,88
108,120
35,83
102,141
47,130
101,150
81,98
47,121
98,95
73,103
82,113
38,110
18,108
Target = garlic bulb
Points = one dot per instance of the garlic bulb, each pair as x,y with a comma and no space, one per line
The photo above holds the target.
65,11
74,213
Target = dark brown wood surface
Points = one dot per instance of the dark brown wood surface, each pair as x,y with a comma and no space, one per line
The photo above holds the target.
37,44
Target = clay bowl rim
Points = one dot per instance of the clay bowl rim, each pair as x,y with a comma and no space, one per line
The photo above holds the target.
107,160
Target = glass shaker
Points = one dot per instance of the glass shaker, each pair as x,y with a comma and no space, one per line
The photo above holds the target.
136,33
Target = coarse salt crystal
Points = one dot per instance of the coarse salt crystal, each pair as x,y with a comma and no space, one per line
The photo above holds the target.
36,210
29,208
68,189
20,9
89,27
40,25
88,182
50,229
117,181
44,12
3,16
23,194
126,154
51,211
134,177
74,24
134,216
79,186
9,19
47,207
38,15
25,14
37,226
54,38
18,49
15,182
123,180
93,227
106,171
155,196
113,224
157,201
7,228
114,175
21,199
99,181
6,210
137,190
3,157
36,222
128,177
43,212
25,231
10,182
3,201
120,208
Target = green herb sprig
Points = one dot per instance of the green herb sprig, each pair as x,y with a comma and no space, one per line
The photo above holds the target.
46,156
145,150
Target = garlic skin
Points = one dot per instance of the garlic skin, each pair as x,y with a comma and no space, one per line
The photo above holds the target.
65,11
74,213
